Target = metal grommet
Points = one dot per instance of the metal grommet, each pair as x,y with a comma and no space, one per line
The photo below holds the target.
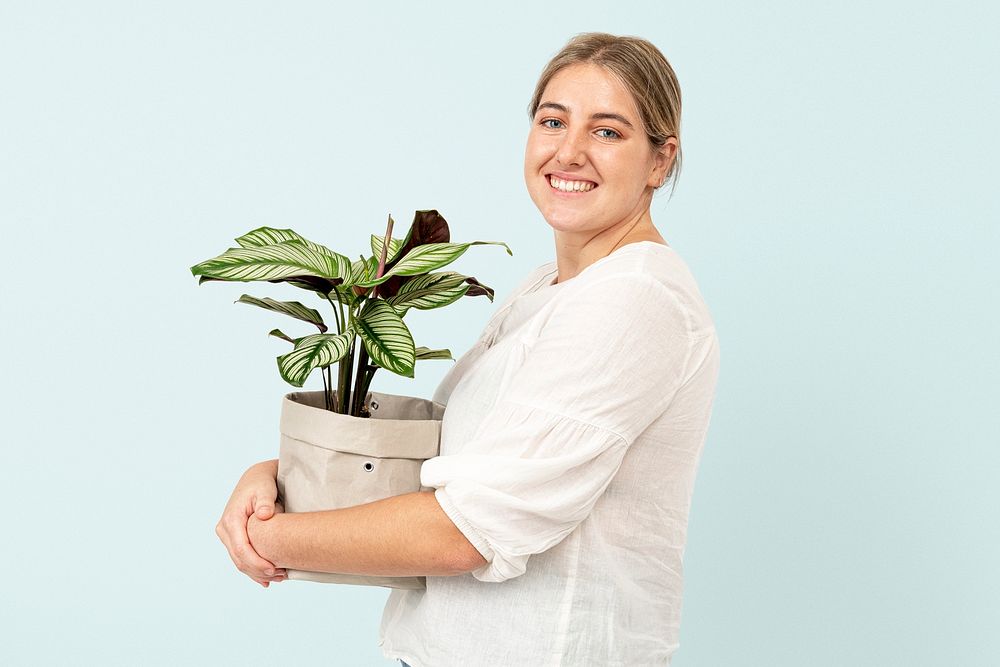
374,405
369,466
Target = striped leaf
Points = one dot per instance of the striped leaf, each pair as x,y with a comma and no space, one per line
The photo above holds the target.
386,337
291,308
359,271
394,246
400,310
427,353
311,352
265,236
273,262
441,280
427,257
278,333
432,290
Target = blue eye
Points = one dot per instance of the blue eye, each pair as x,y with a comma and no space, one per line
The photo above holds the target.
615,134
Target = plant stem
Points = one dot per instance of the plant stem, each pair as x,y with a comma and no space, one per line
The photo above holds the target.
342,381
368,377
328,387
362,378
360,390
338,315
365,371
326,391
345,379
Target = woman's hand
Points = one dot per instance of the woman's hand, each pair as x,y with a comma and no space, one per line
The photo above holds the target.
255,495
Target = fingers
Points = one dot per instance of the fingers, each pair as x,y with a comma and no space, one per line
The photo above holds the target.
270,580
265,498
262,504
233,535
264,581
263,573
254,498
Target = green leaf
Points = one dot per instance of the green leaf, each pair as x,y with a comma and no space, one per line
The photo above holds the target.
283,260
278,333
291,308
441,280
386,337
263,236
427,353
311,352
432,290
394,246
268,236
427,257
359,270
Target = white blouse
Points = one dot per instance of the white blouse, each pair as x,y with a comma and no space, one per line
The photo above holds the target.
569,448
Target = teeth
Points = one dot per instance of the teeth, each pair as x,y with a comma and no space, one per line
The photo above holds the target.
571,186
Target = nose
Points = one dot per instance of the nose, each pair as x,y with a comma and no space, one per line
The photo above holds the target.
572,148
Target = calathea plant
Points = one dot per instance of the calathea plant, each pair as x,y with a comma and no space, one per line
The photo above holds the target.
369,297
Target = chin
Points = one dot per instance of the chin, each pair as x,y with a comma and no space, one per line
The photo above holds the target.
565,222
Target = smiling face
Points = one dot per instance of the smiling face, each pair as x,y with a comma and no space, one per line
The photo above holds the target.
588,164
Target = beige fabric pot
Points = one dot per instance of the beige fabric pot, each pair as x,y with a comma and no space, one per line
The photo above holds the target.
328,460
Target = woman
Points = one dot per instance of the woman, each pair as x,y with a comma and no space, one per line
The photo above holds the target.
556,528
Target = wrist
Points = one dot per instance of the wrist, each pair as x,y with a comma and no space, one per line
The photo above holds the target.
257,534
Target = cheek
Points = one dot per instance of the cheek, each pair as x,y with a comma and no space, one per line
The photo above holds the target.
541,146
531,153
625,169
535,161
530,164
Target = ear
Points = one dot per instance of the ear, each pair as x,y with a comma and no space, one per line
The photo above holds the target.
662,161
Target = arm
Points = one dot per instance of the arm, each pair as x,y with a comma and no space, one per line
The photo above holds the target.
607,362
405,535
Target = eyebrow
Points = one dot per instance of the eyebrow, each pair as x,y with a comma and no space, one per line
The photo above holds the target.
597,116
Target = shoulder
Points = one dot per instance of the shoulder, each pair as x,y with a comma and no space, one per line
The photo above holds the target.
529,280
648,277
522,286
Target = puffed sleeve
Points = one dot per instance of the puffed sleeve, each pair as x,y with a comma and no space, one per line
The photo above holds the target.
606,363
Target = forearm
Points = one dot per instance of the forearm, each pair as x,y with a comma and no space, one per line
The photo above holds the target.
406,535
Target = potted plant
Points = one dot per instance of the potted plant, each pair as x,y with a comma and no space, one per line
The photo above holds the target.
347,445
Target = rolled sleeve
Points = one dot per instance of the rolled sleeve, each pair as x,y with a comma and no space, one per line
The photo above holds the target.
606,363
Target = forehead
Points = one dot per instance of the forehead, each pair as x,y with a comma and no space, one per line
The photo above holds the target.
586,86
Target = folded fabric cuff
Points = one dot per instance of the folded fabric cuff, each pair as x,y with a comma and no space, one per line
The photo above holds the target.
463,525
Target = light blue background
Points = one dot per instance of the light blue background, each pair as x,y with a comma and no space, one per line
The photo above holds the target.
837,206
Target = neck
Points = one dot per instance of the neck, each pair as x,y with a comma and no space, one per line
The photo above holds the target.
575,251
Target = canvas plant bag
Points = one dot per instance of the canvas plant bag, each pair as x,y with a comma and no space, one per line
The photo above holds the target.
328,460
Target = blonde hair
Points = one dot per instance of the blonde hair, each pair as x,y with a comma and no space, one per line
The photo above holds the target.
644,72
